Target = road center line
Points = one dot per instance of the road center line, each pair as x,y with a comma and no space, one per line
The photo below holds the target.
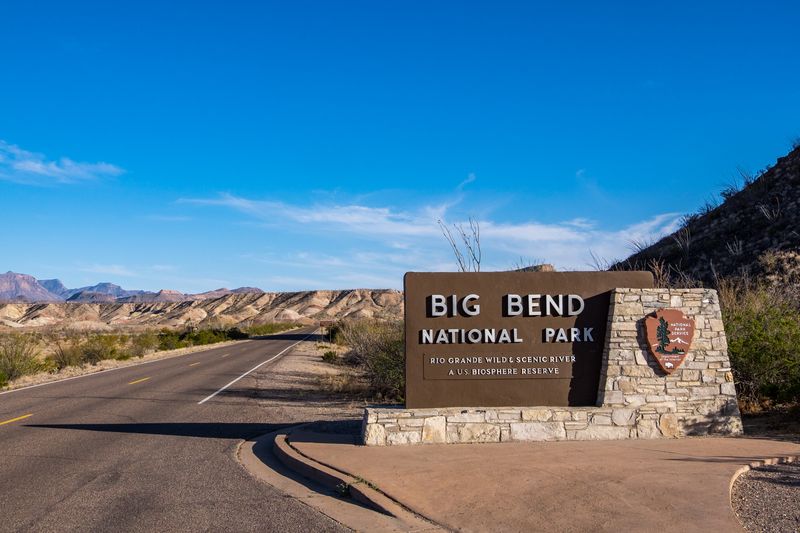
195,364
204,400
138,381
23,417
225,355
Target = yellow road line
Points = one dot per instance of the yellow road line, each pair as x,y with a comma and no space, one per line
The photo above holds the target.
23,417
194,364
138,381
225,355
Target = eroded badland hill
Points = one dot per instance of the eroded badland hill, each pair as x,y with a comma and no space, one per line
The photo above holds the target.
230,309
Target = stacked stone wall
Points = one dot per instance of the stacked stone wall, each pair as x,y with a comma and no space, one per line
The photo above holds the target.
636,399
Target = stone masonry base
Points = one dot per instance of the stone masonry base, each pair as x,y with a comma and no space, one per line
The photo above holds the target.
636,399
387,427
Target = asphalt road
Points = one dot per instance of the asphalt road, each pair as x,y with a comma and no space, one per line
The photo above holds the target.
134,449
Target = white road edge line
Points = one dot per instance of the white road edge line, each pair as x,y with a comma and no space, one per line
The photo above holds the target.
106,371
204,400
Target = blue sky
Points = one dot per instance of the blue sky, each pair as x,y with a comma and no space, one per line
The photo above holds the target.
302,145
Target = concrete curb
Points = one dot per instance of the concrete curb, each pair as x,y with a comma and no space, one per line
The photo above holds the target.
357,488
774,461
390,517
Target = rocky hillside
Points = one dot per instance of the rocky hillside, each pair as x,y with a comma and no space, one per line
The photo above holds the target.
21,287
230,309
756,231
16,287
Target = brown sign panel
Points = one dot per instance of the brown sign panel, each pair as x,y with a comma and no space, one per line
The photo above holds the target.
497,339
669,336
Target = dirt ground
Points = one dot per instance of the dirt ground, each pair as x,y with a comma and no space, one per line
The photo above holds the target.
298,389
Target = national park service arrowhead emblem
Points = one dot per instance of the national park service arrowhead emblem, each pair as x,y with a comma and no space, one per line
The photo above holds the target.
669,336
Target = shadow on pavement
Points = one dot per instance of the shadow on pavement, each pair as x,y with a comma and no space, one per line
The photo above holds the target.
208,430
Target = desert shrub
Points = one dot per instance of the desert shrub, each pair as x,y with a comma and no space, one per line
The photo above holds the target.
763,329
101,347
3,379
378,347
143,343
330,357
269,328
67,351
170,340
18,356
335,334
386,370
205,336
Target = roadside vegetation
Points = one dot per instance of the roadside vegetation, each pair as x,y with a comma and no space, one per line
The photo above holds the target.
761,314
23,354
762,323
374,351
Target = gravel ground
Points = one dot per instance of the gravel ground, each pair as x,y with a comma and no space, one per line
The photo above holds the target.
767,498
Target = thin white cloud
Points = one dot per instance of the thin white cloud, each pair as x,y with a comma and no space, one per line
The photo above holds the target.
470,178
359,219
411,240
30,168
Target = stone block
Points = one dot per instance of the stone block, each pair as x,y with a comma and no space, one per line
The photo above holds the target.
634,400
600,420
668,425
576,424
690,375
728,389
434,430
537,415
647,429
561,415
374,435
410,422
623,417
580,414
396,438
704,392
467,416
629,308
613,397
603,433
538,431
716,325
637,371
474,432
627,386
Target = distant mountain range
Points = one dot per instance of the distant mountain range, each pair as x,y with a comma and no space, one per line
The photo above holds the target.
19,288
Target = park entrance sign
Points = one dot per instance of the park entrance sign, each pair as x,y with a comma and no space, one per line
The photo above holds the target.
508,338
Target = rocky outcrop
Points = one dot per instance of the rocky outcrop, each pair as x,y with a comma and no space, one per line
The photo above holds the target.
733,238
232,309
